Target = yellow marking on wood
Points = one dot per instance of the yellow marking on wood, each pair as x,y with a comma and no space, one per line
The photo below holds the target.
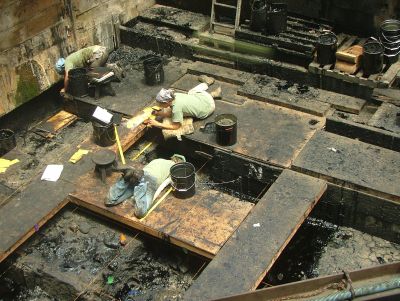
142,151
121,153
158,203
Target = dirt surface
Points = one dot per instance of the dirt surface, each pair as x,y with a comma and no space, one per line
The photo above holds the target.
80,256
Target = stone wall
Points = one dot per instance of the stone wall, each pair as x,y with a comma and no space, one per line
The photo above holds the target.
34,33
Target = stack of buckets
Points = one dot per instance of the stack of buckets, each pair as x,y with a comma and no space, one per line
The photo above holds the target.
389,36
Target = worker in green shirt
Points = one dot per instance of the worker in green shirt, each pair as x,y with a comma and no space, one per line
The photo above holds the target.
93,56
196,103
142,186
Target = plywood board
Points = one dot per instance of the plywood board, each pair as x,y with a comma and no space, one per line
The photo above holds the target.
352,163
201,224
267,133
252,250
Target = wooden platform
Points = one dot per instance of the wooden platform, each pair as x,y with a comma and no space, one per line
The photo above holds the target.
267,133
201,224
351,163
249,254
380,80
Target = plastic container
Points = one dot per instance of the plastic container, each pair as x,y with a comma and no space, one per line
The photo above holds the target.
226,129
78,84
153,70
277,18
183,180
7,141
258,16
104,135
372,57
326,46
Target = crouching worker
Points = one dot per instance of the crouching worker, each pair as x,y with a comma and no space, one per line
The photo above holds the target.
196,103
143,187
93,56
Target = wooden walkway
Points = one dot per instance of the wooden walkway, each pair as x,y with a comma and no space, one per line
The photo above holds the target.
201,224
352,163
252,250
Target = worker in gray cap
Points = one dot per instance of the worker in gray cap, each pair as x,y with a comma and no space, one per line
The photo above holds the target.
196,103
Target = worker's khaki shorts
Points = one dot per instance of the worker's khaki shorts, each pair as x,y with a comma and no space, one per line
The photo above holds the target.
99,56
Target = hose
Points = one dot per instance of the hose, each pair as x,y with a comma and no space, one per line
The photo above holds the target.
362,291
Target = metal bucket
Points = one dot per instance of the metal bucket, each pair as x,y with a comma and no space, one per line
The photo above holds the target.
372,57
153,70
78,82
226,129
326,46
7,141
104,135
258,16
183,180
277,18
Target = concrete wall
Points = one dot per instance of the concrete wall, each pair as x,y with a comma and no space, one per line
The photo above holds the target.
34,33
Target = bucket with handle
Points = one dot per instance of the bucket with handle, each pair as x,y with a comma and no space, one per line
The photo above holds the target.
78,82
183,180
326,46
153,70
104,135
226,129
372,57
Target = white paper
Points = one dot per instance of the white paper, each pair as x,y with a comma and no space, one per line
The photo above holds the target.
258,225
102,115
52,172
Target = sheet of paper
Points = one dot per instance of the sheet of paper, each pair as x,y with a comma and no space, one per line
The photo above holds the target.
102,115
52,172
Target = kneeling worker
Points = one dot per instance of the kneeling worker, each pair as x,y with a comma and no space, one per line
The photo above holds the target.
93,56
197,103
142,186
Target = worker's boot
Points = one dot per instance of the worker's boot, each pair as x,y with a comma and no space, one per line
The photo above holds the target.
217,93
206,79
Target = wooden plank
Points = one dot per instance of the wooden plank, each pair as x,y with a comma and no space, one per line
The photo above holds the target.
352,163
385,118
250,253
56,122
201,224
277,134
389,76
30,28
19,12
228,75
43,199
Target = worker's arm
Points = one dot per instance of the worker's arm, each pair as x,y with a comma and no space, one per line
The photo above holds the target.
173,126
66,81
167,112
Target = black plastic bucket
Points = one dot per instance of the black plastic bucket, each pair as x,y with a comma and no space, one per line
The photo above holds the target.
372,57
7,141
104,135
277,18
183,180
226,129
78,82
153,70
326,48
258,15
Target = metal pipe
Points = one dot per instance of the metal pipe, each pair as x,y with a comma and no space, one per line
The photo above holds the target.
362,291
